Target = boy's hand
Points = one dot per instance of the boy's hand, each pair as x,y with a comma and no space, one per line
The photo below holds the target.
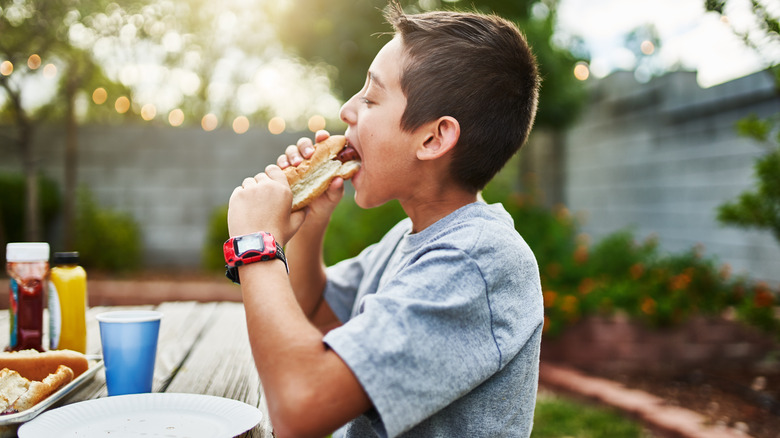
263,203
322,207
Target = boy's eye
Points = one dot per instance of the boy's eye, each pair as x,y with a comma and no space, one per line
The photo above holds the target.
366,101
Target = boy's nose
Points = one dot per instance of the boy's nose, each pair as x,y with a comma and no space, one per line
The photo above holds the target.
347,113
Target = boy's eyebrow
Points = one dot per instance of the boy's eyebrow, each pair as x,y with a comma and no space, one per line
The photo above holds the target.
375,79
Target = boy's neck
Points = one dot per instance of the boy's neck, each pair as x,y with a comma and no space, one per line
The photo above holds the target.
425,207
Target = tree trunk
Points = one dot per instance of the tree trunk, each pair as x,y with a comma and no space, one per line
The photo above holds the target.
32,204
24,141
71,165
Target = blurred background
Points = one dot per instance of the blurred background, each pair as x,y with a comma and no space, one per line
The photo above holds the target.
649,189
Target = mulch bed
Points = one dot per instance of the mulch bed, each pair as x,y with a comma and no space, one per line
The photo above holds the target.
746,399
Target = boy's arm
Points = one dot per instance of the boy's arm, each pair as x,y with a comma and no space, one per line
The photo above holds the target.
305,249
310,390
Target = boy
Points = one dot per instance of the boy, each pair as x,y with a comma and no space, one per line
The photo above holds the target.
435,330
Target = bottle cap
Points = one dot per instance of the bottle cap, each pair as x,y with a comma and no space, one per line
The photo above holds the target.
66,258
27,252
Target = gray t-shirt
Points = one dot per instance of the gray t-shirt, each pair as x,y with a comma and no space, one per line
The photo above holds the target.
442,328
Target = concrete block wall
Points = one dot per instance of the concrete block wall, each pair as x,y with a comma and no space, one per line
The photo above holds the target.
659,158
170,180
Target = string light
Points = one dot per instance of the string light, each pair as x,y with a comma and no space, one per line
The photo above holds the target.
122,105
6,68
240,125
647,47
34,61
209,122
49,71
276,125
316,122
581,71
176,117
99,96
148,112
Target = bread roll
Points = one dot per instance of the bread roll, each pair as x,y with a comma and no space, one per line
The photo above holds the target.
12,386
312,177
38,391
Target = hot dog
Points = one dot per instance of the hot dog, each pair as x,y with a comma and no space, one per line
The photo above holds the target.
332,158
33,365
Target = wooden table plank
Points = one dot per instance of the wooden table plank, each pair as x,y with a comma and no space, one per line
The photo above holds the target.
221,364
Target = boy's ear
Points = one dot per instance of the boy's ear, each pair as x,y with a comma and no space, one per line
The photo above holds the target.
441,136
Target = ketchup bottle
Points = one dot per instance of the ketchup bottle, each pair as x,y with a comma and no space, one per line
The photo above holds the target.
28,266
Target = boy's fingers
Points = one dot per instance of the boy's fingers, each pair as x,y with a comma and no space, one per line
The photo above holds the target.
293,155
275,173
248,181
321,135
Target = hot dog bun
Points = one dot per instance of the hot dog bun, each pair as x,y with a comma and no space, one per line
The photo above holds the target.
40,390
18,394
33,365
12,386
312,177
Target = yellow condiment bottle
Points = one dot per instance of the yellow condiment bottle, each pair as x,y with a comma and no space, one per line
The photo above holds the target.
68,304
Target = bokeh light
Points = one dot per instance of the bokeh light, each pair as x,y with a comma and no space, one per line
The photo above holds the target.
49,71
176,117
6,68
581,71
240,125
34,62
316,122
122,105
99,96
148,111
647,47
209,122
276,125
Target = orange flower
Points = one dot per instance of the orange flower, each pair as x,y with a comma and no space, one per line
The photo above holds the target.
562,213
581,254
763,296
637,270
648,306
725,271
586,286
569,304
549,298
680,282
554,270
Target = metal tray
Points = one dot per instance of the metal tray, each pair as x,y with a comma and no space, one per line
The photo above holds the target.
11,422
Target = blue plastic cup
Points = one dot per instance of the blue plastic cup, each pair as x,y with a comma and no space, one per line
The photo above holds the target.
129,341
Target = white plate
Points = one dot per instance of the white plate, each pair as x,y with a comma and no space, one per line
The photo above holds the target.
155,414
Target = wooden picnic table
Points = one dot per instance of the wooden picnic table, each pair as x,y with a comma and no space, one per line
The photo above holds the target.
203,349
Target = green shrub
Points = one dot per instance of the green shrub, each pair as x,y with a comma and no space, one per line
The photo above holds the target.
351,229
216,235
12,190
622,274
106,240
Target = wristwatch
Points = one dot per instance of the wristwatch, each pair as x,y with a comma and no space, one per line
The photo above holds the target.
250,248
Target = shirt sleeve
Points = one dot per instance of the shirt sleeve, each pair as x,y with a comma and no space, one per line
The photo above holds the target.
423,340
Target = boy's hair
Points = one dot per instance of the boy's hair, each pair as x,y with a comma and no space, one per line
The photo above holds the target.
476,68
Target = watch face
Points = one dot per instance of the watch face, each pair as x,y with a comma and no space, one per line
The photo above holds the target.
252,241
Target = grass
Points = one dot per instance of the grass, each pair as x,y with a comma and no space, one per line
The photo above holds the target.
559,417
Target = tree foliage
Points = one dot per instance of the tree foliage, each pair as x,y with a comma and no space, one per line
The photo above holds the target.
758,207
348,34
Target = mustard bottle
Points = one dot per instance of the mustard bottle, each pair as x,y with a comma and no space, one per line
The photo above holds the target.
68,303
